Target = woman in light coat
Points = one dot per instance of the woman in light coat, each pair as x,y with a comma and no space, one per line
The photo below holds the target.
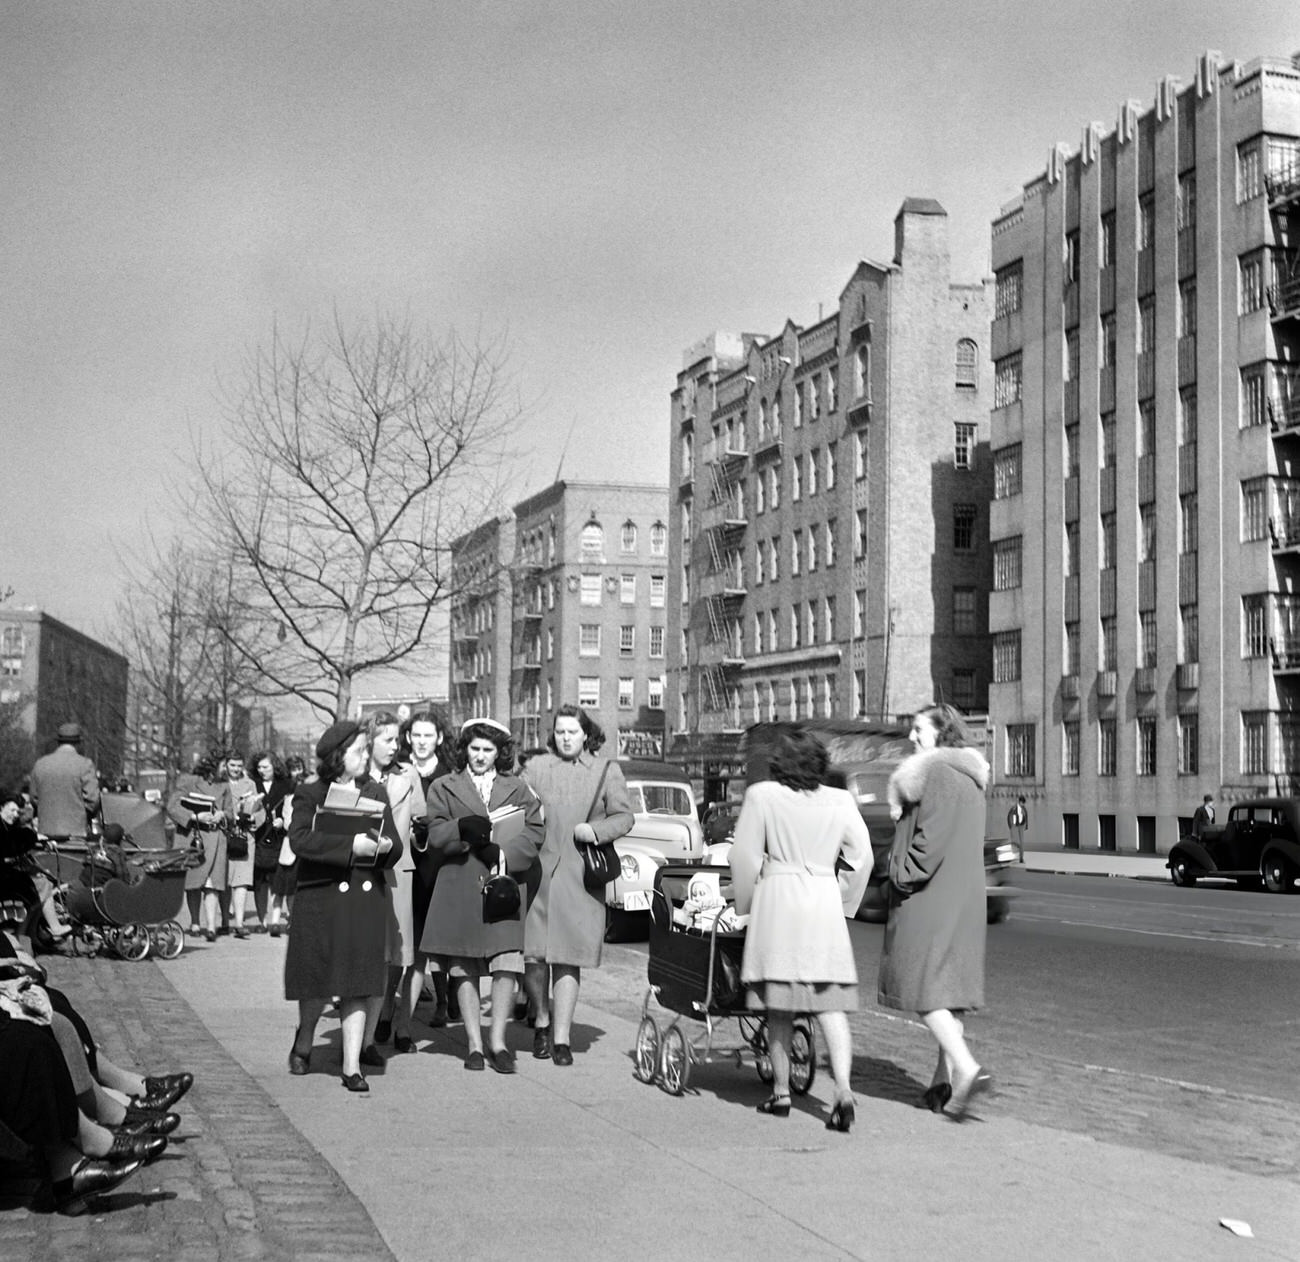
792,833
585,800
933,959
205,884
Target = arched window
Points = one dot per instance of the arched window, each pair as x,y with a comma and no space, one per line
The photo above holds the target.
627,539
968,356
862,372
658,539
592,541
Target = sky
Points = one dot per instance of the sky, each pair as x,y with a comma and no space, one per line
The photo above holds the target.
600,184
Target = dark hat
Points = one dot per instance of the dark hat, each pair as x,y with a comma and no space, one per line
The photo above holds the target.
336,736
69,732
114,834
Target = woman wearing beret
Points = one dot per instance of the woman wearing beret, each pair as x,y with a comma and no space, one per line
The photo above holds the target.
340,916
460,834
585,800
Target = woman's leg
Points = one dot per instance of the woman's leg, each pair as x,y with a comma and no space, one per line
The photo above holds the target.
467,992
780,1030
949,1034
839,1048
537,980
92,1138
194,904
353,1015
211,909
238,900
115,1078
309,1014
50,913
392,989
261,896
401,1017
503,997
564,1000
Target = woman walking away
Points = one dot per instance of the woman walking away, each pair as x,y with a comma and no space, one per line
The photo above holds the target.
792,835
340,916
271,787
933,960
470,850
585,800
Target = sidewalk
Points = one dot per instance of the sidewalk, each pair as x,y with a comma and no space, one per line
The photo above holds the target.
1097,863
587,1162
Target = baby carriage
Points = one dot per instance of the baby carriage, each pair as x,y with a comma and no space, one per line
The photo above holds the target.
128,905
696,948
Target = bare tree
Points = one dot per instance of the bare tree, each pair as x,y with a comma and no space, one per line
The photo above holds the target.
346,468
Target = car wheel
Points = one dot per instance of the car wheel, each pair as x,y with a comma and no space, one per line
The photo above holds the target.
645,1057
1181,873
803,1056
674,1061
1277,875
997,911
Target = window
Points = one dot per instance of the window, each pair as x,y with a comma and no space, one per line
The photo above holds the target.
758,632
1189,741
796,628
686,583
1006,657
963,687
967,364
1147,640
1146,433
862,371
1146,326
859,456
774,559
1254,625
1108,441
1006,472
828,620
1070,258
1106,747
773,488
1249,183
1252,396
810,623
1107,342
589,640
589,691
1250,282
658,539
832,391
1147,532
759,553
1007,380
830,544
800,406
1107,645
1254,509
627,589
1071,648
1187,309
963,527
1072,451
1072,355
1187,416
1006,563
963,451
796,551
860,539
625,690
1108,239
1254,742
590,590
552,593
1189,634
1071,548
1146,224
1188,527
1187,201
814,456
860,612
627,537
760,494
1108,541
772,631
796,481
1007,285
963,611
764,418
656,591
592,542
655,692
814,398
1020,749
1070,747
550,644
812,548
626,640
831,450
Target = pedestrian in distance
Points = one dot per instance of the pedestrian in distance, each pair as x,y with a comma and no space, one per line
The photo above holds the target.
205,884
284,880
1018,824
585,800
338,947
469,851
241,804
271,787
1203,817
800,862
65,788
933,957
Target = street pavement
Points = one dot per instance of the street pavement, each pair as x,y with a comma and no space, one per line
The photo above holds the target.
586,1162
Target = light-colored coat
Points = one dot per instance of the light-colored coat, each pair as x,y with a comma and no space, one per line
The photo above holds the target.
566,921
783,860
934,941
65,788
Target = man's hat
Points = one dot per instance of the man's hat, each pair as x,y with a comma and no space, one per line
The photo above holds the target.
69,733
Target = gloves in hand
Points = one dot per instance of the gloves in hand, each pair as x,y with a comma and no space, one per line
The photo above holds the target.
475,830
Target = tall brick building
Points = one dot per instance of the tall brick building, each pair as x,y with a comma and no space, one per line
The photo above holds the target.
830,540
1146,453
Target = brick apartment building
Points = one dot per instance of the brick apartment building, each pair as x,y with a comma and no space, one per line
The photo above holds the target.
1146,456
830,537
564,600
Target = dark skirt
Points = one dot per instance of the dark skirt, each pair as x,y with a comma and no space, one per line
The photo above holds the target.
38,1103
284,880
338,946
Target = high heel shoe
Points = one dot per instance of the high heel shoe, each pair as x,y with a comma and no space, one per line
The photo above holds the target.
383,1031
937,1094
403,1043
964,1092
90,1177
355,1082
298,1063
842,1116
774,1106
371,1058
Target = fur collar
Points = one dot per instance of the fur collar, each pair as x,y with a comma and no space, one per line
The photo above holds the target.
907,783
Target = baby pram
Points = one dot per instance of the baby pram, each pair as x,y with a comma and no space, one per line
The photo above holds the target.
694,971
131,917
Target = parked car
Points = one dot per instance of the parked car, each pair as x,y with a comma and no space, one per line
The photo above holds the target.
667,829
1258,843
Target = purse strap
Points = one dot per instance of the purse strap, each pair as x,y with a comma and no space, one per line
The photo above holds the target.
600,789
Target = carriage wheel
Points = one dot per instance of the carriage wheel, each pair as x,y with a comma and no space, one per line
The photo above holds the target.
803,1056
167,940
675,1061
645,1057
132,942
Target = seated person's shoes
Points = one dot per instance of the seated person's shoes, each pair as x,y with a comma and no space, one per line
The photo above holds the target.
159,1124
90,1177
145,1148
162,1091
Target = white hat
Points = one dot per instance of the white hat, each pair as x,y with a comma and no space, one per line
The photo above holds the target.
492,723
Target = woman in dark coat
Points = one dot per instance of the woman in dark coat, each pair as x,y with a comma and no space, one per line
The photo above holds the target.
585,799
26,892
461,835
340,916
272,786
933,958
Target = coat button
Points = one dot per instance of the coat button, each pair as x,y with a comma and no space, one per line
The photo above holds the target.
365,885
343,887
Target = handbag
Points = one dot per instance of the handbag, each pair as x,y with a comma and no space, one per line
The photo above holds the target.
600,861
236,844
501,899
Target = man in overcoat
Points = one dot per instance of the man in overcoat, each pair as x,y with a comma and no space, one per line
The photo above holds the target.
65,788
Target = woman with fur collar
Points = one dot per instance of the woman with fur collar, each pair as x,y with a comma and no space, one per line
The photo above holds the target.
933,959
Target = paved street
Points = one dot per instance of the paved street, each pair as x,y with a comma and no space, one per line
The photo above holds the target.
1142,1038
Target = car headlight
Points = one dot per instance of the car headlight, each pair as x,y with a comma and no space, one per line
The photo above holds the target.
1007,853
630,868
